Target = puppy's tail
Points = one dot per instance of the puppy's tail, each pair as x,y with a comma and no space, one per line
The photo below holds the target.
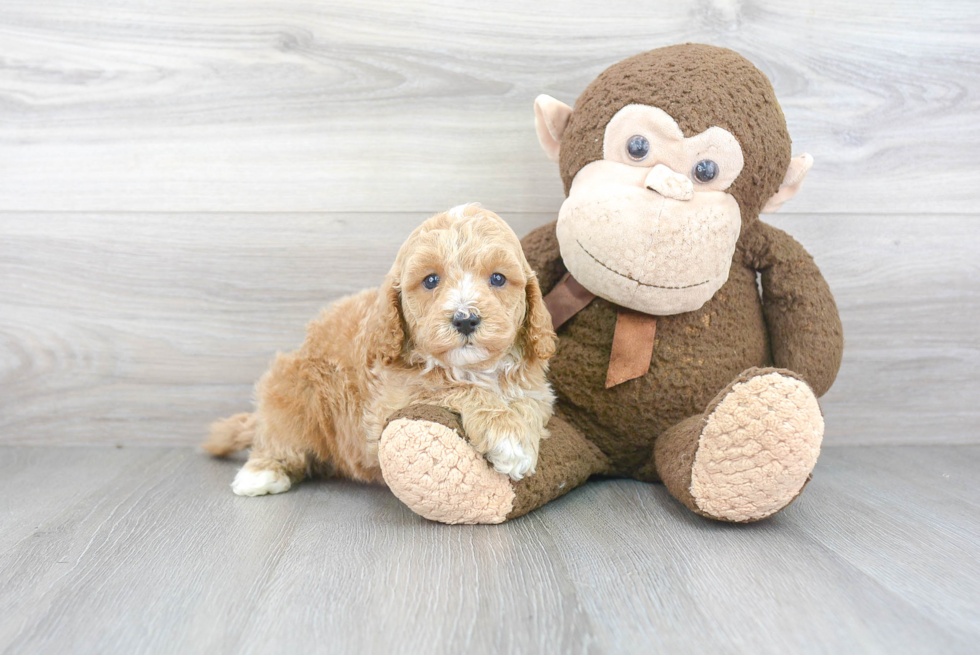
230,434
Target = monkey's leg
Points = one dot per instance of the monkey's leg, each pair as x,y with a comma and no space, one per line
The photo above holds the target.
749,455
429,466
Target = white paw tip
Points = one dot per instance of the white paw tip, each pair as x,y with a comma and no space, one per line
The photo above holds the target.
509,458
259,483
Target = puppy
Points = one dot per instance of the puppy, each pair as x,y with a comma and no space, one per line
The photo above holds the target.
459,322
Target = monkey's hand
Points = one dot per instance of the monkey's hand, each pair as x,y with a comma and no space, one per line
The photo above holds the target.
804,326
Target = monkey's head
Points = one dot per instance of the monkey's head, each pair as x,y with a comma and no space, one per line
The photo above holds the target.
666,158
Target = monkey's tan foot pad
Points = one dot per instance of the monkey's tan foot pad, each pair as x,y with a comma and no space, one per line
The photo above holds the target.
757,448
440,476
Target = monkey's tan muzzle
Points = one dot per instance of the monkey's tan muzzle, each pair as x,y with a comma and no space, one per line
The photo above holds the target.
650,252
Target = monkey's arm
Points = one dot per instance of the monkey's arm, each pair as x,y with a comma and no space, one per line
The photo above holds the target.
544,255
805,331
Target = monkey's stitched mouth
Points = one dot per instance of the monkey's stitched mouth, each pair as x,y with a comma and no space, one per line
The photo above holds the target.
642,284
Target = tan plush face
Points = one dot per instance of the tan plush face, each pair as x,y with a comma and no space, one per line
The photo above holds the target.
650,226
463,283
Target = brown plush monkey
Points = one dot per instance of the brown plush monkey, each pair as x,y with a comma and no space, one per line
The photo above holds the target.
670,367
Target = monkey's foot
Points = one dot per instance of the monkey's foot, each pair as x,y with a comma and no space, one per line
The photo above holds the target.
752,452
438,474
434,470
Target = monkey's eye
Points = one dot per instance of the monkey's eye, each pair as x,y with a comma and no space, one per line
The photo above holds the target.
638,148
705,171
497,280
431,281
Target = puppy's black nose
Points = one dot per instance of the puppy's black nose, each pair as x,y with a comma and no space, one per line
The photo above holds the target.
465,324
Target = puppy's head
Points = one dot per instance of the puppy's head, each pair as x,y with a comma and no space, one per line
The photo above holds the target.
466,296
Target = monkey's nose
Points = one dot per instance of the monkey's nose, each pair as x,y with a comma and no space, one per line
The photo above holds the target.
669,184
465,324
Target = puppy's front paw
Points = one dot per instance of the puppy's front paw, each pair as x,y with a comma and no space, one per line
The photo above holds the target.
508,442
260,482
510,457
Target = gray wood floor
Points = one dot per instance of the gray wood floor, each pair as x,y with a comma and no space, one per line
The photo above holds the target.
146,550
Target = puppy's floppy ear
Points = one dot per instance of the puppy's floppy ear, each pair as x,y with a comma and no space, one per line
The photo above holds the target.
391,324
539,337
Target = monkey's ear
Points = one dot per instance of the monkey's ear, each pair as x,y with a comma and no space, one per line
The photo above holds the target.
550,120
798,167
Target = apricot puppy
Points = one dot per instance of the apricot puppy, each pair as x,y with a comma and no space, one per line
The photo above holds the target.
459,322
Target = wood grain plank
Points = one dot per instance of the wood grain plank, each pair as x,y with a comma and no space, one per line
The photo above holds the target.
114,330
415,586
230,574
39,483
884,491
856,567
161,558
242,105
876,557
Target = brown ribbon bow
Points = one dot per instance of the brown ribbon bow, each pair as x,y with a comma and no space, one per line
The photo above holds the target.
632,347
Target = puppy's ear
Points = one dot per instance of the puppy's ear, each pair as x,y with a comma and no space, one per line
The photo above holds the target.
539,337
391,324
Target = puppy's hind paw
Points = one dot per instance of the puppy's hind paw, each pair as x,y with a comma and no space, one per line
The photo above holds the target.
260,482
511,458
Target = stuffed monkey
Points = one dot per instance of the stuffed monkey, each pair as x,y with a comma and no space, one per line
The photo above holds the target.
672,366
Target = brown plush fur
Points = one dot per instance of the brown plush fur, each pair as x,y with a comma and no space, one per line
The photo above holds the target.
323,407
696,354
567,460
793,325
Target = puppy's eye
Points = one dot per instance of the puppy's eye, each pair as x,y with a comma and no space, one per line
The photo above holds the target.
705,171
638,147
497,280
431,281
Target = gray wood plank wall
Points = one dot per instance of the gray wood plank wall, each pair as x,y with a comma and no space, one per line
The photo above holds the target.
183,184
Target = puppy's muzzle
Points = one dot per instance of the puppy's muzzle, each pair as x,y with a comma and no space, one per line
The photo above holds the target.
465,324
